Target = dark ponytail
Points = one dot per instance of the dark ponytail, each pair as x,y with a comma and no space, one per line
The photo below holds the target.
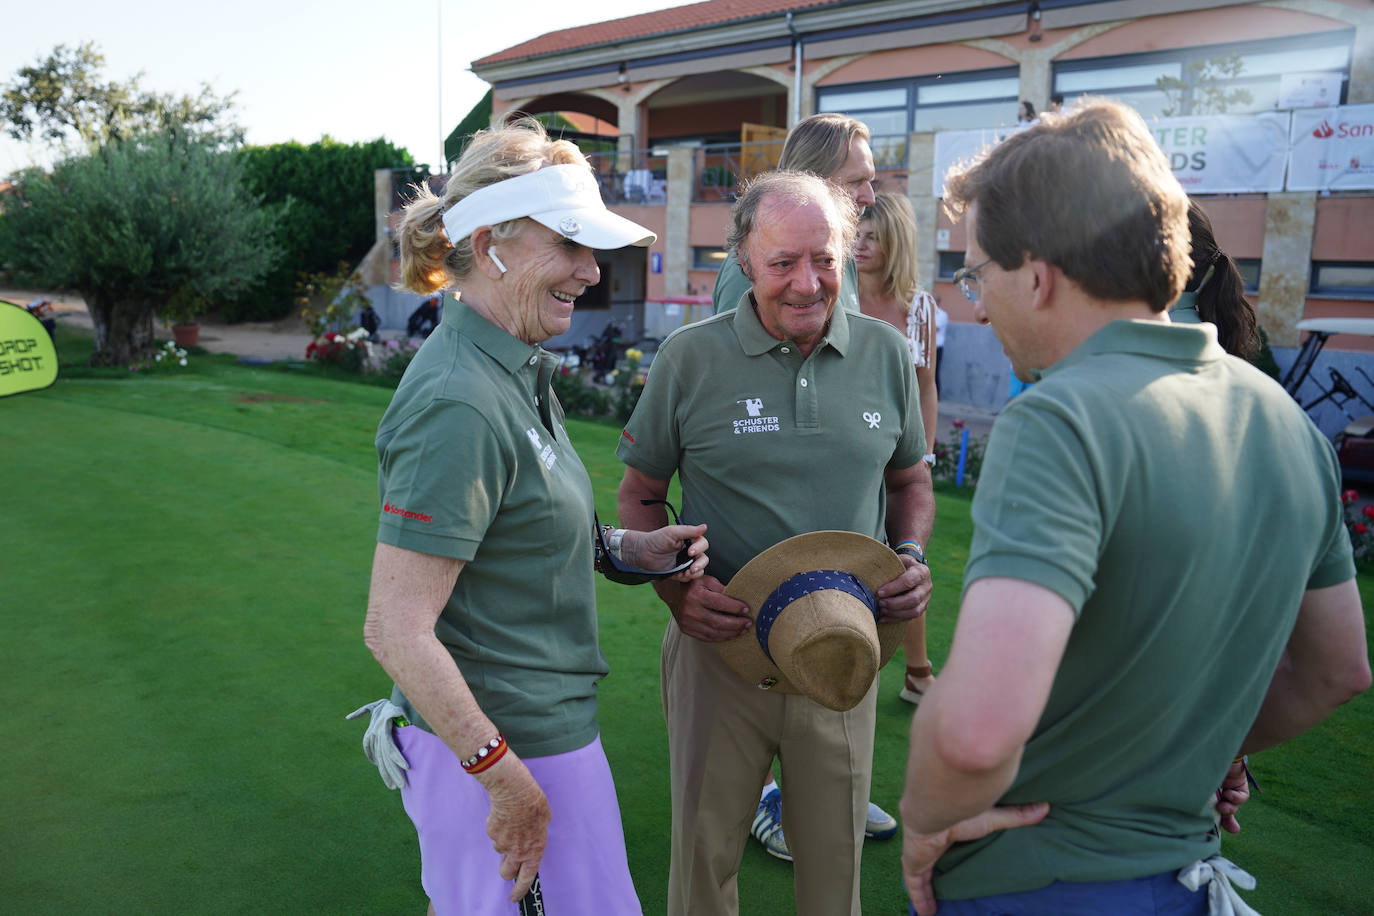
1220,290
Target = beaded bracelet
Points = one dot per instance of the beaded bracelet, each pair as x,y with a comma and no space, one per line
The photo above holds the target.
486,755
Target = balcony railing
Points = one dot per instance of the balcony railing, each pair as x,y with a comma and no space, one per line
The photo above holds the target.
633,177
640,176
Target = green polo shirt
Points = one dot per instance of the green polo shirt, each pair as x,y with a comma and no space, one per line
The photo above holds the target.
1184,309
768,444
1181,502
475,464
731,285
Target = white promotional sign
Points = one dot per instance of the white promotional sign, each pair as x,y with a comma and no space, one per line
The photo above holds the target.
1332,149
1212,154
1309,90
953,147
1225,154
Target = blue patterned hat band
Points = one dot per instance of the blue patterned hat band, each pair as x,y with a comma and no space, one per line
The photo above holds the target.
803,584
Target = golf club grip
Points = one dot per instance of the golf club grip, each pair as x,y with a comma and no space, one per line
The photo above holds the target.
532,904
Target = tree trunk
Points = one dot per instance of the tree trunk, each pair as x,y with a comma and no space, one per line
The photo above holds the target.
123,329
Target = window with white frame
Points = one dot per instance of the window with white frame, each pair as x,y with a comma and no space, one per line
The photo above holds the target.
895,108
1343,279
1196,81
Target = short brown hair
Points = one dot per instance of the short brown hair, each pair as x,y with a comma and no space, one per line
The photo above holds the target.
1090,193
820,144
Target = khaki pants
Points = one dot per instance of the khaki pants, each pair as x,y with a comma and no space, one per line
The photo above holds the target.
722,737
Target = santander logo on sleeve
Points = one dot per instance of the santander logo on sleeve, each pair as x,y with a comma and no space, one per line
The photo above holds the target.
405,513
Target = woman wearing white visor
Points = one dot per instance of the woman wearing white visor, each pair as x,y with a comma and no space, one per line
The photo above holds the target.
482,607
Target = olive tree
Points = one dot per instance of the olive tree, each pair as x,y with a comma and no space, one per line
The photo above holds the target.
136,227
64,101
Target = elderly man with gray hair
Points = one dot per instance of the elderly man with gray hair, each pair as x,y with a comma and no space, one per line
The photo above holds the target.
783,416
836,148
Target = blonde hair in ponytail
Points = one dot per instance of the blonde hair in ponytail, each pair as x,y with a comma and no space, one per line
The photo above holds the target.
430,261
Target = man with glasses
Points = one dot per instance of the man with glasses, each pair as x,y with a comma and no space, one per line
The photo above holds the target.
1123,639
784,416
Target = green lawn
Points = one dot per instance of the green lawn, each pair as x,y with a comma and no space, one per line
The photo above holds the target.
185,570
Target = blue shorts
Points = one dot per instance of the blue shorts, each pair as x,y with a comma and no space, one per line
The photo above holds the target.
584,869
1155,895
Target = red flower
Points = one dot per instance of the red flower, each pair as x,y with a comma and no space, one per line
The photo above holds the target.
1369,511
1360,528
959,424
1349,496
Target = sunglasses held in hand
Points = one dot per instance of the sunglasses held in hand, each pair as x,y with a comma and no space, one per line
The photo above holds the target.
617,570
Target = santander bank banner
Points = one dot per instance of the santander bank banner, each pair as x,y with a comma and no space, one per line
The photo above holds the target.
1332,149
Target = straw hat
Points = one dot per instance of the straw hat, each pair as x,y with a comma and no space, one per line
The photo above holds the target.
820,631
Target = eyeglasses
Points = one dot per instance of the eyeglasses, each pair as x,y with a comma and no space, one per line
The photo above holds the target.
615,569
967,280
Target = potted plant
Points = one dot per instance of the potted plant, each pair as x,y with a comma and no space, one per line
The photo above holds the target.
717,183
181,312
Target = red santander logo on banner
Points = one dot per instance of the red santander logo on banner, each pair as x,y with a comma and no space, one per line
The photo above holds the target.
1331,148
1344,129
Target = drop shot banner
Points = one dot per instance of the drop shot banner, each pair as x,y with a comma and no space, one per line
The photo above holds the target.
1332,149
28,360
1211,154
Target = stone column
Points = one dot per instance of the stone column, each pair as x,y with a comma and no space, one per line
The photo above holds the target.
677,221
920,157
1037,78
630,128
1289,219
1362,62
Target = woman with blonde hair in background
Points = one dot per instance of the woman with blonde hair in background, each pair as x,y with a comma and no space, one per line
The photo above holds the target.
885,254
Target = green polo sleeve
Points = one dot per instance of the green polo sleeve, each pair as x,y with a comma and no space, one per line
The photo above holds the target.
1337,563
911,448
650,442
442,474
1035,512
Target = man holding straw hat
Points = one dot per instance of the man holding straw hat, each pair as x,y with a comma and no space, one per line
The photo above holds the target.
782,417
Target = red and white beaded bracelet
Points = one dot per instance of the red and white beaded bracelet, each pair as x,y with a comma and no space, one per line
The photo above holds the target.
486,755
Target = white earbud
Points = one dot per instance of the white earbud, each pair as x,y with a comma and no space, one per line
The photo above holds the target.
491,253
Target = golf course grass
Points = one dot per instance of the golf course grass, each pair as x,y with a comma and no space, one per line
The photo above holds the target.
185,563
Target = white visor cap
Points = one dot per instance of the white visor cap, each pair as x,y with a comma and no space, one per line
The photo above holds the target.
562,197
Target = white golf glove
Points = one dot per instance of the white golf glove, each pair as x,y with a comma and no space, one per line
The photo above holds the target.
379,743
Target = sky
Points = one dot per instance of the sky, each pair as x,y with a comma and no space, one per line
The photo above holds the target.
353,69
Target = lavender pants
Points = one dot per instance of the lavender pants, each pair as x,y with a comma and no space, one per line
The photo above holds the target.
584,869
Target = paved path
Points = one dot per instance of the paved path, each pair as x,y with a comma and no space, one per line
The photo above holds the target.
274,340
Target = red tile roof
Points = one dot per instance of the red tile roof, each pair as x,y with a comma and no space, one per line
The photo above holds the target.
677,19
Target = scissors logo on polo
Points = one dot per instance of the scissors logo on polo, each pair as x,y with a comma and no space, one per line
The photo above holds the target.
545,452
756,422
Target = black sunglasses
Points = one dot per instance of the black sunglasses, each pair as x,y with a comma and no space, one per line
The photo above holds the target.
615,569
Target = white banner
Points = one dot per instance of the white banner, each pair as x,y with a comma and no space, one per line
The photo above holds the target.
1212,154
953,147
1332,149
1225,154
